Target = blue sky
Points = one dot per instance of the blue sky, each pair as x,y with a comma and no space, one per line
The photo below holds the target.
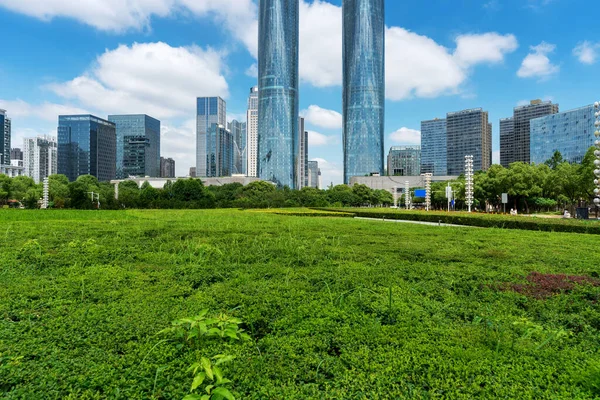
156,56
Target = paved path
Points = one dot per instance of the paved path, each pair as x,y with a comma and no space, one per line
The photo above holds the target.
415,222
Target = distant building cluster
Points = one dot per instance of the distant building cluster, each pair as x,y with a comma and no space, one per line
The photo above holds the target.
272,143
531,135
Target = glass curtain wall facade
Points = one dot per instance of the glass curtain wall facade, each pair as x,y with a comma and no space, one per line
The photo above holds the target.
220,152
240,146
209,110
302,162
278,97
5,138
468,135
570,132
404,161
87,145
138,145
363,87
314,175
507,143
516,147
434,147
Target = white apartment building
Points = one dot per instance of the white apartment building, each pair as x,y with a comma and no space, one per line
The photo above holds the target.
39,157
252,129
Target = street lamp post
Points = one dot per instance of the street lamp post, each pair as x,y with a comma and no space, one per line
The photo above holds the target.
597,154
469,181
407,194
428,190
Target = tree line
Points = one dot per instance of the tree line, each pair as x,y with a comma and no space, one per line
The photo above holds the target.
543,187
181,194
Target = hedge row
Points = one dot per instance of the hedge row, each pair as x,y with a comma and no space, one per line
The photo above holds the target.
481,220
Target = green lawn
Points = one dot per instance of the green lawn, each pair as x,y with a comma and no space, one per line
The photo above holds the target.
337,308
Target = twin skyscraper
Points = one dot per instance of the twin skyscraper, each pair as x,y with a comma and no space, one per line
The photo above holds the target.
278,89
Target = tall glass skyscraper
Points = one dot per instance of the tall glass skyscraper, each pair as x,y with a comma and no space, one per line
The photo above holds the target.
138,145
209,110
219,152
278,51
5,138
469,134
364,87
570,132
87,145
515,138
302,163
240,146
434,147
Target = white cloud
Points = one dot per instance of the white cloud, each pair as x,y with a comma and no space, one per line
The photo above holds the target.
44,111
587,52
522,103
119,16
252,71
151,78
485,48
321,43
178,142
406,136
537,64
417,65
321,117
331,172
316,139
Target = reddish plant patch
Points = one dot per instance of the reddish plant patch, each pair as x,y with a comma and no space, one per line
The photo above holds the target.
541,286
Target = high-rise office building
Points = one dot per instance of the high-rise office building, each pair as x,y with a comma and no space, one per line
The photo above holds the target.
209,110
314,175
167,167
219,153
252,129
5,138
363,87
240,146
434,147
16,154
40,157
278,50
302,163
404,161
516,146
138,145
469,134
507,143
570,132
87,145
192,172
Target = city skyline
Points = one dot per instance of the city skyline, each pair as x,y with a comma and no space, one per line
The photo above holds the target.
519,63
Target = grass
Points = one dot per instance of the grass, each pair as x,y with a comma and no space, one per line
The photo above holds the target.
336,307
591,226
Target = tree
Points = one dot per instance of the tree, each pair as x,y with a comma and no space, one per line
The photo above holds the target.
129,194
5,182
19,187
554,161
58,190
147,195
524,183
